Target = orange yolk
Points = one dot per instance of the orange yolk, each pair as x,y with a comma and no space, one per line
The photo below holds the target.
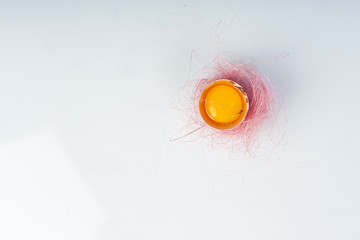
223,104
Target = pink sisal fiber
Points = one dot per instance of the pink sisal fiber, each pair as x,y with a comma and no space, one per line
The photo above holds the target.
262,107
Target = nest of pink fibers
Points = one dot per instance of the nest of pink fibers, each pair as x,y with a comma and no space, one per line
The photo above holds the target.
262,107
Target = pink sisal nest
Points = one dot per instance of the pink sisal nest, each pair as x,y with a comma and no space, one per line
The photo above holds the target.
262,104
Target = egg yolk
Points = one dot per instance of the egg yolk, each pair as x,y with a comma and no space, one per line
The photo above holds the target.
223,104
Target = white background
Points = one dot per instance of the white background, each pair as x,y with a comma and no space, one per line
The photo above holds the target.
86,89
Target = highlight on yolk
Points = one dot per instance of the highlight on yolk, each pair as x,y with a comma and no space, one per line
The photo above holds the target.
223,104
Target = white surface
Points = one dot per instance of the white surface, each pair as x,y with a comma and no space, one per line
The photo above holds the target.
84,122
